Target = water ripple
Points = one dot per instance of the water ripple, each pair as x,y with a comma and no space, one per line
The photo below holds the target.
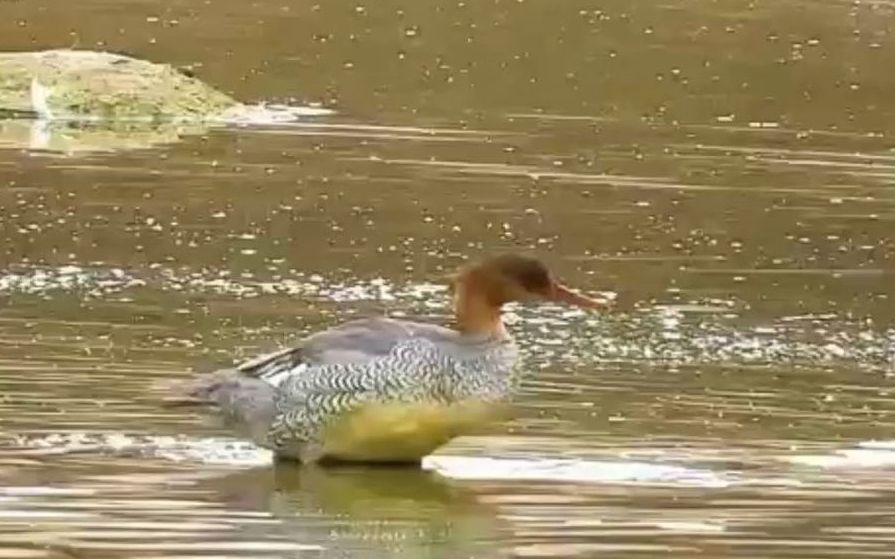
703,330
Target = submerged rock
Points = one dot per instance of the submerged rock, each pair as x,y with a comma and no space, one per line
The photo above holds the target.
89,85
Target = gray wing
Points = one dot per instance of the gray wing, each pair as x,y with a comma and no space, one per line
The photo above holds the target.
357,341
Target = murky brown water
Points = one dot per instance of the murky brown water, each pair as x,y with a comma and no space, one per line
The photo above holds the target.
727,167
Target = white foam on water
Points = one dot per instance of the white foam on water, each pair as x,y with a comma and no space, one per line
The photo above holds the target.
223,452
573,471
691,527
211,451
867,455
267,114
233,453
45,280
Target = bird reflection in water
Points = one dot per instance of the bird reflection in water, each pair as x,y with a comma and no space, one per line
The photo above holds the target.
370,512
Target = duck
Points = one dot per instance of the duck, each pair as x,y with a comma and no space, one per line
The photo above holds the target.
387,390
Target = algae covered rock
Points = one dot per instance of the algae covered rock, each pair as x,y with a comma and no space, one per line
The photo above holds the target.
89,85
78,101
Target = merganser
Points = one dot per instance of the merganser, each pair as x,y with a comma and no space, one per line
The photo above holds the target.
386,390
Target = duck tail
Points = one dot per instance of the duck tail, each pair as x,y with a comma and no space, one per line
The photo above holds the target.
246,403
203,390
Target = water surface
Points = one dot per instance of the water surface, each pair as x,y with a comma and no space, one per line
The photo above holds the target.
725,167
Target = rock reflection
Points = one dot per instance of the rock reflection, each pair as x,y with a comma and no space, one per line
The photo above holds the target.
80,138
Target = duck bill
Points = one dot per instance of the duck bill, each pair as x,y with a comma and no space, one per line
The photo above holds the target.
563,294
